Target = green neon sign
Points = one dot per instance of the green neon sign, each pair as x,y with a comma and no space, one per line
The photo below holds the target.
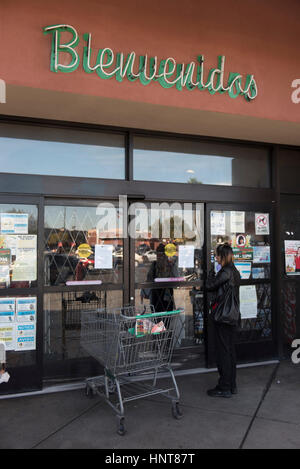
167,72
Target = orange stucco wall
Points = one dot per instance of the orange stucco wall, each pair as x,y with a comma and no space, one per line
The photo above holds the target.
259,37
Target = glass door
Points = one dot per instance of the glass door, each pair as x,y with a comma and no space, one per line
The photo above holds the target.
20,299
83,271
249,232
166,269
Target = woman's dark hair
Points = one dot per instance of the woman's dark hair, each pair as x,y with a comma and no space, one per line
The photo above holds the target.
225,252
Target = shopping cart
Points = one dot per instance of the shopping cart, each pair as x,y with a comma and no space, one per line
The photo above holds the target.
133,345
75,304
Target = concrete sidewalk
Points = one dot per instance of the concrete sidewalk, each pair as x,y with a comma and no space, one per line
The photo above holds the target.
265,414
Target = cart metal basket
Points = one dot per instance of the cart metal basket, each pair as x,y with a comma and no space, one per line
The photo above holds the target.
130,343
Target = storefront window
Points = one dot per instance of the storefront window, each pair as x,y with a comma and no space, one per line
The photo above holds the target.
83,245
61,152
169,265
248,233
194,162
169,242
18,246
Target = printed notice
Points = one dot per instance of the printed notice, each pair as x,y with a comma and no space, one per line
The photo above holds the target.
217,223
248,301
103,256
7,310
237,222
186,256
262,225
261,254
24,268
26,309
25,337
14,223
7,335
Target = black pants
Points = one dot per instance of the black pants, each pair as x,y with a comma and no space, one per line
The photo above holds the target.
225,355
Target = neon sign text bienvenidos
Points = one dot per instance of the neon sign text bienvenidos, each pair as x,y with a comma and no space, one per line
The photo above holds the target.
167,72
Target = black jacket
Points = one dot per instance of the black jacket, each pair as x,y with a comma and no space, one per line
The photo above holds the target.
219,283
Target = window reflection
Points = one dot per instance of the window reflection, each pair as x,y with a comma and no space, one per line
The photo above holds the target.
194,162
72,237
169,243
61,152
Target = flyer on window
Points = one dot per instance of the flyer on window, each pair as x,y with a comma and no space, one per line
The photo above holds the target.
186,256
248,301
7,335
292,257
26,309
25,337
103,256
14,223
217,223
7,310
24,268
261,254
237,222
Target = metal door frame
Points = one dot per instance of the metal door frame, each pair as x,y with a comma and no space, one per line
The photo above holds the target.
251,351
29,378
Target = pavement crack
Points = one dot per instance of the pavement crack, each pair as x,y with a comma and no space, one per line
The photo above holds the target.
66,424
265,392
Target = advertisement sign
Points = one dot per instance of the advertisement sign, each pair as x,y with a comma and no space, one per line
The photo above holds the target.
261,254
292,257
243,254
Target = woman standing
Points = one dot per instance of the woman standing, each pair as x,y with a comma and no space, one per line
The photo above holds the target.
226,317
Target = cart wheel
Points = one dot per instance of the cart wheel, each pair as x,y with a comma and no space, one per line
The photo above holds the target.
176,412
121,430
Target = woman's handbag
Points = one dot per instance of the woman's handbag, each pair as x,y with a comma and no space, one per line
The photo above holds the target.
227,311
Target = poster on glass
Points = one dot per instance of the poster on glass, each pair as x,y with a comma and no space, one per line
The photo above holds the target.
292,257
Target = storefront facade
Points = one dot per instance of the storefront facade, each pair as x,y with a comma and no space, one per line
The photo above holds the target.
100,149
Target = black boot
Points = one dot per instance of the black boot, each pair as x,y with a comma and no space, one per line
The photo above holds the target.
217,392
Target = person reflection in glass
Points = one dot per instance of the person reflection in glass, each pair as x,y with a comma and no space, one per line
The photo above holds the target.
164,267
